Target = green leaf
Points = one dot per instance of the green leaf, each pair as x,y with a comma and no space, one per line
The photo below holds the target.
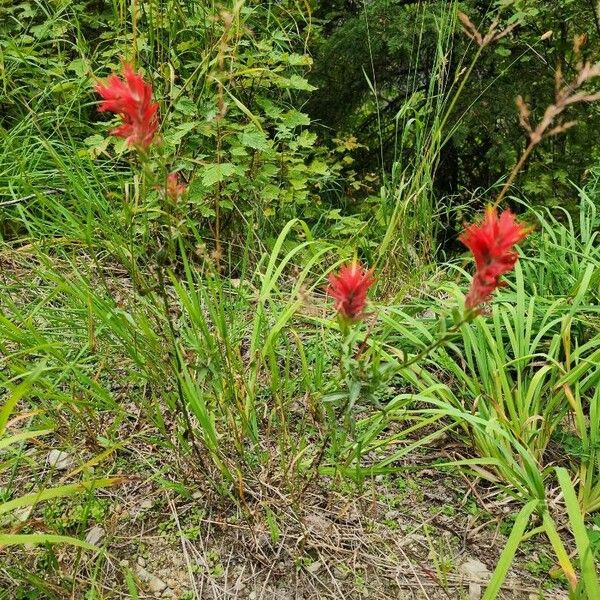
179,132
131,586
254,139
502,51
295,118
582,541
186,107
295,82
509,551
15,396
23,435
80,66
216,173
62,491
9,539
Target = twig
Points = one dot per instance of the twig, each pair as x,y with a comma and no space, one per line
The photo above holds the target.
566,95
29,197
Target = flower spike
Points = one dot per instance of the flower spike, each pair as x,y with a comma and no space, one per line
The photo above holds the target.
491,243
349,290
131,98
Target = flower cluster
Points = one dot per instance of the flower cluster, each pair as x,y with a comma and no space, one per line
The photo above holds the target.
131,98
349,290
491,243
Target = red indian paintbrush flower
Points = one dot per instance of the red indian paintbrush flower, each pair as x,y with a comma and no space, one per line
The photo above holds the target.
349,289
491,243
131,98
175,189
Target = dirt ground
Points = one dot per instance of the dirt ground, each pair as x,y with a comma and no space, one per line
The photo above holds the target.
420,534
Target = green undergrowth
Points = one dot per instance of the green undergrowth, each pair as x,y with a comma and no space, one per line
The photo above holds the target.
201,330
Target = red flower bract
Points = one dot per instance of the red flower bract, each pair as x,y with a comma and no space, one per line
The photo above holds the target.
349,289
131,98
491,243
175,189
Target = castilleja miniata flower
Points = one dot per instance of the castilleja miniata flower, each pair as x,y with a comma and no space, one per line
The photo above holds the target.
175,189
131,98
491,243
349,289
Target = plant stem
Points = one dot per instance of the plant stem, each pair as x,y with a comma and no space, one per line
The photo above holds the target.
516,170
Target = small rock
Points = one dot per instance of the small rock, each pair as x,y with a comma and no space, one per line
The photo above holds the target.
313,568
22,514
474,569
59,460
477,573
154,584
341,574
94,535
172,583
146,504
168,594
141,561
144,575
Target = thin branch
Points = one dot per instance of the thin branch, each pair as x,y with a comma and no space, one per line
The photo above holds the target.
29,197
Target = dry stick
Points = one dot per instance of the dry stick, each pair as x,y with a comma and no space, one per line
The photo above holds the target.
566,96
29,197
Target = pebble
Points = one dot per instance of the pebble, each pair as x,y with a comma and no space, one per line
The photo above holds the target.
94,535
22,514
59,460
154,584
314,567
141,561
477,572
475,569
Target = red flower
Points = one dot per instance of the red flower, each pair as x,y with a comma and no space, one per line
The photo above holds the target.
175,189
491,243
349,289
130,97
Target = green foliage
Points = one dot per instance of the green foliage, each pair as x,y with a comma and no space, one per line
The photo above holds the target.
376,56
28,502
229,81
304,139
